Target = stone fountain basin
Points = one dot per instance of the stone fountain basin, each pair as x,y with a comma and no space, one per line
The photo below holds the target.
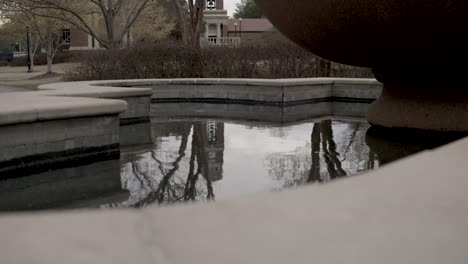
416,48
373,33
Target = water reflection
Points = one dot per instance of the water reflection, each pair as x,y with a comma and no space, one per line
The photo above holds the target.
171,174
85,186
205,160
335,150
394,144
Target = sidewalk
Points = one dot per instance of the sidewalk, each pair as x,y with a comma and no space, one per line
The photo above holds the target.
10,89
18,79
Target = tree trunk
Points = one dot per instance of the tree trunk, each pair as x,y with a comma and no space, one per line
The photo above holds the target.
182,21
334,166
197,22
50,51
49,63
314,173
323,67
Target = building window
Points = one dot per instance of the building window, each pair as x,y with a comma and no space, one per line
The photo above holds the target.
212,127
66,35
211,4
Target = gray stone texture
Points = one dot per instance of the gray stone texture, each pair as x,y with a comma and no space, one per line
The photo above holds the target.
411,211
135,134
60,188
137,107
259,113
30,139
270,91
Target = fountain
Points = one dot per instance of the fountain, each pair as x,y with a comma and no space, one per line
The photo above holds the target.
416,48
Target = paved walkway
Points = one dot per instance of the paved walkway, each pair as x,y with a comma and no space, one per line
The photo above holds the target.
9,89
11,77
18,76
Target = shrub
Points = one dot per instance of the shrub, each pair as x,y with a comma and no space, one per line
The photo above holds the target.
272,59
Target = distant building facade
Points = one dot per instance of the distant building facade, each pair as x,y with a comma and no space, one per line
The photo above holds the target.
77,39
222,30
248,29
219,29
80,40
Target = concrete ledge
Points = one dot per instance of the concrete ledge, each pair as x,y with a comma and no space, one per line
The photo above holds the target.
330,96
66,124
259,113
31,111
28,107
282,92
254,91
30,148
411,211
137,101
64,100
405,212
63,187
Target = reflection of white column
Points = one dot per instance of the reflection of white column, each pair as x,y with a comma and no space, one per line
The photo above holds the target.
218,28
207,29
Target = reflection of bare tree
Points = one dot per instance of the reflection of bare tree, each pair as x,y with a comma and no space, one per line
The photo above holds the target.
191,184
314,174
334,166
371,162
328,160
322,133
192,179
189,174
163,192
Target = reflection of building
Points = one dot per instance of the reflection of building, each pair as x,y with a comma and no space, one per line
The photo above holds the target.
211,144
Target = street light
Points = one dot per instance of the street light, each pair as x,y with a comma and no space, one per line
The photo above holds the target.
240,27
29,49
235,29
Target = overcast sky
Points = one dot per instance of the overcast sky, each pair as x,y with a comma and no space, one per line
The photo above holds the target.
230,6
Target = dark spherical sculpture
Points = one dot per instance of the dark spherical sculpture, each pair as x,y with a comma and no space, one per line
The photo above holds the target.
417,48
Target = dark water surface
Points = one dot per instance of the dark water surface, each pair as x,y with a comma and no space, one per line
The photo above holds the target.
213,159
209,160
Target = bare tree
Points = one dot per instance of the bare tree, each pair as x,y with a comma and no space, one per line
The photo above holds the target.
118,16
54,41
190,20
44,32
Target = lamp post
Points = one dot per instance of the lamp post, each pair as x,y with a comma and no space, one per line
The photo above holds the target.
235,29
29,49
240,27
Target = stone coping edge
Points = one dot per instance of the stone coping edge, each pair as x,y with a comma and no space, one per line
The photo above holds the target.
399,211
113,89
215,81
63,101
78,99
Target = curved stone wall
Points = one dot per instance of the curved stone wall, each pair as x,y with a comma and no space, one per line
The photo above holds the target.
249,91
66,126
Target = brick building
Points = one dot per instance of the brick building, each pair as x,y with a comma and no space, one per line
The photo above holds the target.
222,30
248,29
219,29
79,40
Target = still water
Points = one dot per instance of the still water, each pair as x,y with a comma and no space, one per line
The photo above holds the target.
213,160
